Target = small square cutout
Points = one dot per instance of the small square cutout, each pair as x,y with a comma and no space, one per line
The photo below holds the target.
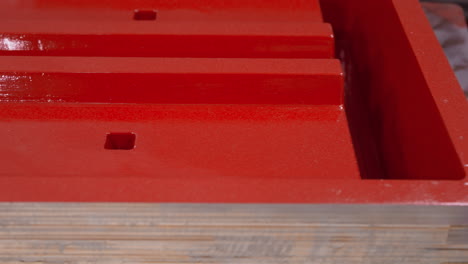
144,14
120,141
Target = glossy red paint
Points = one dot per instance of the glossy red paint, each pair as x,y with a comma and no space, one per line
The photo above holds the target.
407,113
250,29
171,80
224,39
232,142
255,114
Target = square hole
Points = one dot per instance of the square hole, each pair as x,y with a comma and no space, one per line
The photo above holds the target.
144,14
120,141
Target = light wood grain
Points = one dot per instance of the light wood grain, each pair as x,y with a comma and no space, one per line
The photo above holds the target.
232,233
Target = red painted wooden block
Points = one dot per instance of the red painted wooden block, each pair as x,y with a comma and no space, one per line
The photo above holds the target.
228,101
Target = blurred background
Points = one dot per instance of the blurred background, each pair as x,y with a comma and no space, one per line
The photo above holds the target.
449,20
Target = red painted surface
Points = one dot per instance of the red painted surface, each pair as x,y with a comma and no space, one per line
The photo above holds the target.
248,108
224,39
407,114
250,29
178,142
171,80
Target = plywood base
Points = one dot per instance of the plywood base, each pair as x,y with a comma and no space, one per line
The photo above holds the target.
241,234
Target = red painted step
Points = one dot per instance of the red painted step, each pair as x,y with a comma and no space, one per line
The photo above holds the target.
171,80
188,142
248,29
